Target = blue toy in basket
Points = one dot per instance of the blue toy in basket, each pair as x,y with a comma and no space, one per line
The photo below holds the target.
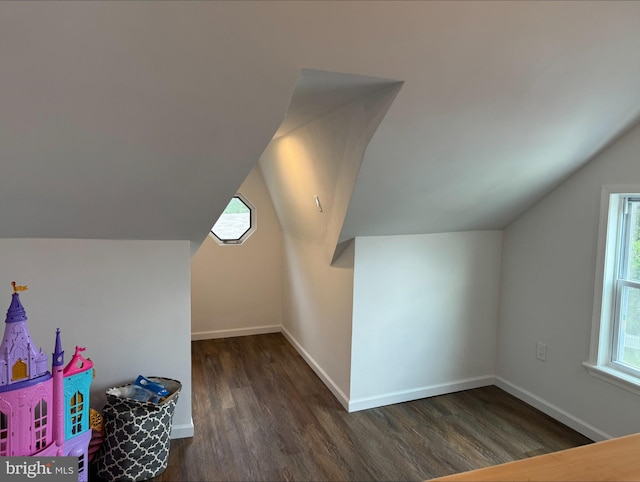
155,391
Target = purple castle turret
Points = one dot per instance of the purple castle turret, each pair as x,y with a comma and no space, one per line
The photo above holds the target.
41,413
19,359
58,353
57,366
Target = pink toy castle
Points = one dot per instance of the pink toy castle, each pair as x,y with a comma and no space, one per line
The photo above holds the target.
42,413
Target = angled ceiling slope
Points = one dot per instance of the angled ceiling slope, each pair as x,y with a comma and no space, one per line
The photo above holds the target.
312,163
127,121
318,93
504,101
139,120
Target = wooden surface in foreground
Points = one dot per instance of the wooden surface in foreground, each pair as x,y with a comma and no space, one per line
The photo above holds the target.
612,460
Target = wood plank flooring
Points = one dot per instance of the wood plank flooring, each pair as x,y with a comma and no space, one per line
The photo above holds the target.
260,413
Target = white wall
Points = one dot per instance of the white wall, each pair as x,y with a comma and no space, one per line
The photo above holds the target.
547,296
127,302
317,313
321,158
424,315
237,289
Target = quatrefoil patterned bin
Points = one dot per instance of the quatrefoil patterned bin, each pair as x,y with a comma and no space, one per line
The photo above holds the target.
137,435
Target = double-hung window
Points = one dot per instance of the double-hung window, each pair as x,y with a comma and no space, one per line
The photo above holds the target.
626,332
615,344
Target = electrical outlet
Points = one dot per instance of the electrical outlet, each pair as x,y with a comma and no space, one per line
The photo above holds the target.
541,351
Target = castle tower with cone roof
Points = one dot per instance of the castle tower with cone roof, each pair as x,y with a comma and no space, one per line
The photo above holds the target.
19,359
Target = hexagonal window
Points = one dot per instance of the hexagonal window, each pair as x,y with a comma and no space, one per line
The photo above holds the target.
236,223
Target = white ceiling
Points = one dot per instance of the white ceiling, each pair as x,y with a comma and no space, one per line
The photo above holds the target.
317,93
139,120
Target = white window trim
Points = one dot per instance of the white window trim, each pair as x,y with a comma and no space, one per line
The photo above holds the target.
599,362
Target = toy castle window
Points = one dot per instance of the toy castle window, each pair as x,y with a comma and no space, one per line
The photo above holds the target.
40,423
4,433
81,457
19,370
76,407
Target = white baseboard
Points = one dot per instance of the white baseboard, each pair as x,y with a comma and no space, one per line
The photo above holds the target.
184,430
418,393
254,330
553,411
326,379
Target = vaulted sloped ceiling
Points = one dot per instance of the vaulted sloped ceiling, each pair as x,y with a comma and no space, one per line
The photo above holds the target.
139,120
311,165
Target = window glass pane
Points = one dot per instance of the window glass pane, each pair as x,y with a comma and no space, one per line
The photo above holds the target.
234,221
634,242
630,328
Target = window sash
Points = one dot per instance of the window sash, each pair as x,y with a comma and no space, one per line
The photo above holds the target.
630,208
614,202
623,290
623,286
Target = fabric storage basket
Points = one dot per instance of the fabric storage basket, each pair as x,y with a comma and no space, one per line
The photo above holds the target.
136,435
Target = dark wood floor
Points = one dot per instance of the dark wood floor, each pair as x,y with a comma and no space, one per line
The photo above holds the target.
260,413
